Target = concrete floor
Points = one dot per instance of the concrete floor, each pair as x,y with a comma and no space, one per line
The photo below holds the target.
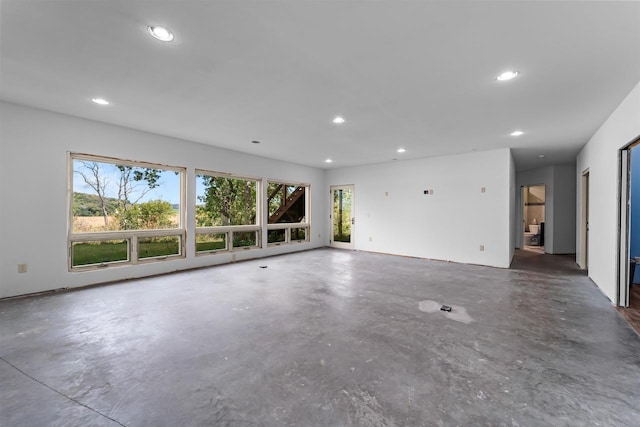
324,337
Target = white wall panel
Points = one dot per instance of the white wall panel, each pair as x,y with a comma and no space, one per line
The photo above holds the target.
600,156
33,194
393,215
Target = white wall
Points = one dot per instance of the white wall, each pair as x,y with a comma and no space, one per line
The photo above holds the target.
451,224
560,206
600,156
33,194
564,209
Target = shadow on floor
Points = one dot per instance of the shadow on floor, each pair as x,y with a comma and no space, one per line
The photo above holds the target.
632,313
552,264
566,265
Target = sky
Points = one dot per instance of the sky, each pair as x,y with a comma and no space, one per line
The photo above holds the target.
168,190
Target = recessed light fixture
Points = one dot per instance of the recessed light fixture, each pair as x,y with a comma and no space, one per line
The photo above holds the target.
160,33
328,161
507,75
516,133
401,150
255,142
100,101
338,120
541,155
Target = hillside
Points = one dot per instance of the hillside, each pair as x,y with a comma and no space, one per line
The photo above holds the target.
85,204
89,204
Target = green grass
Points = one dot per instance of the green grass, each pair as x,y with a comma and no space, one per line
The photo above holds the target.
149,248
210,246
244,238
98,253
89,253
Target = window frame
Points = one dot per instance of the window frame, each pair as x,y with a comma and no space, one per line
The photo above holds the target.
228,230
131,236
287,226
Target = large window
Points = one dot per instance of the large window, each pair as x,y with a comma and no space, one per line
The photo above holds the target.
227,212
288,218
124,212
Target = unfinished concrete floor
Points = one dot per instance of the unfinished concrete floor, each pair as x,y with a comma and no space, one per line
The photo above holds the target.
324,337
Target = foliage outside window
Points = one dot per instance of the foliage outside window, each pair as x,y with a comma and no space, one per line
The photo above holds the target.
124,212
342,223
227,212
287,207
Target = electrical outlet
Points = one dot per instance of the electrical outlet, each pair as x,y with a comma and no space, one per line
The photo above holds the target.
431,191
483,189
370,238
481,248
22,268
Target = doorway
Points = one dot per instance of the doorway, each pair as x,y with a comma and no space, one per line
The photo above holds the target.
533,217
629,225
583,262
342,216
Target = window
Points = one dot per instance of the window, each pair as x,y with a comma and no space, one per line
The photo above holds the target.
227,213
124,212
287,207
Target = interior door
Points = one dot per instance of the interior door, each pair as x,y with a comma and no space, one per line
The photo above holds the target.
623,257
342,216
585,220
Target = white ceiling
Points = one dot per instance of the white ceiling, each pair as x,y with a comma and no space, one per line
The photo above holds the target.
414,74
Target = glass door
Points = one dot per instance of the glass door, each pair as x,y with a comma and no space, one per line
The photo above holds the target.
342,216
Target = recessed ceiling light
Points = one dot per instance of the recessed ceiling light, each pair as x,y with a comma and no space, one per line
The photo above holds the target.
160,33
100,101
507,75
541,155
255,142
328,161
401,150
517,133
338,120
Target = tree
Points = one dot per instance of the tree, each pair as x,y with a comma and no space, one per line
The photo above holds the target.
226,201
130,184
155,214
94,178
134,183
150,215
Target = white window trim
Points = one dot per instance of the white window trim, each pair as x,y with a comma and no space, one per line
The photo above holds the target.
287,226
228,230
306,224
131,235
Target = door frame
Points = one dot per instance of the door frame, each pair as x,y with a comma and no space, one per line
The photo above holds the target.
623,226
522,206
332,243
624,223
583,262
